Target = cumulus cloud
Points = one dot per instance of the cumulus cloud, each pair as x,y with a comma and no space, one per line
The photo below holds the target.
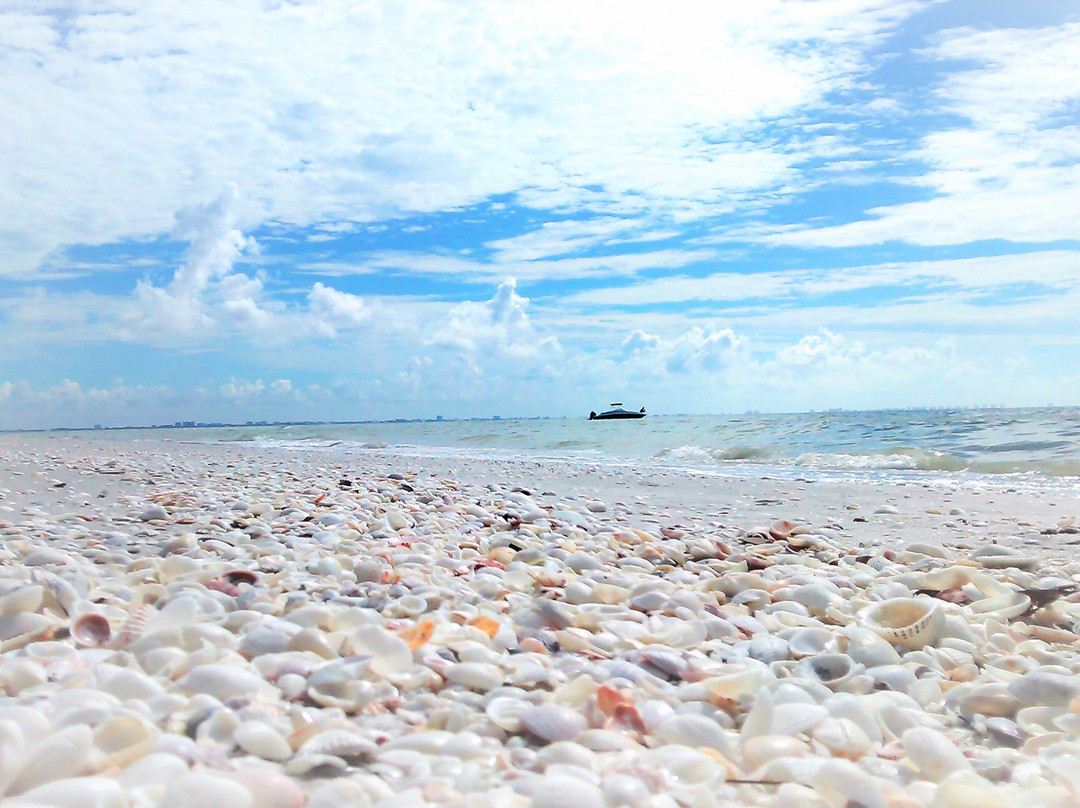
697,350
204,292
332,310
500,325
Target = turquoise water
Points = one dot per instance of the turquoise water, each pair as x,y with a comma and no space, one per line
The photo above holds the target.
1043,441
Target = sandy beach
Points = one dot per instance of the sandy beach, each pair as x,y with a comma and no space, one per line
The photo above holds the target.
271,627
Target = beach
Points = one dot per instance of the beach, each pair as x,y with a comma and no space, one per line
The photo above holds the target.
342,626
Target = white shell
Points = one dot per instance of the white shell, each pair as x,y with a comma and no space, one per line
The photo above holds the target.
58,756
910,622
935,755
480,676
258,739
553,722
842,737
695,731
341,743
198,790
793,718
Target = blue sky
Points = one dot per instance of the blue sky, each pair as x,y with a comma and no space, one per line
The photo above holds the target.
352,210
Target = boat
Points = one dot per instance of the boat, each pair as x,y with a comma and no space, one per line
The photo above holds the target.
617,412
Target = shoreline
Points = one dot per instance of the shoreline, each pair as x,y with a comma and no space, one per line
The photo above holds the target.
867,509
285,629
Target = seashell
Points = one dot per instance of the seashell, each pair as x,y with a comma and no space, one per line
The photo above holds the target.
58,756
268,637
505,712
418,635
991,699
869,648
855,786
964,789
740,682
695,731
995,557
832,670
682,766
340,743
389,653
18,629
1039,720
237,577
315,766
811,641
23,599
909,622
1043,687
197,790
260,740
1007,606
794,718
225,682
560,790
842,737
759,750
268,788
120,741
815,597
12,748
892,677
336,684
553,722
480,676
156,769
854,708
1004,731
77,792
92,630
767,648
935,755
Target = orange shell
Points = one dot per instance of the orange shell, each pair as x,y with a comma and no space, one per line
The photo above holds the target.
418,634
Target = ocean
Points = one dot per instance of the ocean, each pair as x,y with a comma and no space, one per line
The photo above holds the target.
1031,442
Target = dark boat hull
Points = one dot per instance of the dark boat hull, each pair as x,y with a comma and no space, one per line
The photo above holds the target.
618,416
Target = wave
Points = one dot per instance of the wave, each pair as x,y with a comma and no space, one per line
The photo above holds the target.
698,454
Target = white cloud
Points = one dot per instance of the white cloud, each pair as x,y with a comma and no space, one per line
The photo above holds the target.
698,350
1013,172
333,310
119,116
500,325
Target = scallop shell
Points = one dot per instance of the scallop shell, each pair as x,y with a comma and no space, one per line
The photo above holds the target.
340,743
909,622
92,630
695,731
796,717
935,755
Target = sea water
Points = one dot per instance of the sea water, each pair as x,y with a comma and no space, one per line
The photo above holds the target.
1042,442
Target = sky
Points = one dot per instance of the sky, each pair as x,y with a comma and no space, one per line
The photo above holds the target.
408,208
